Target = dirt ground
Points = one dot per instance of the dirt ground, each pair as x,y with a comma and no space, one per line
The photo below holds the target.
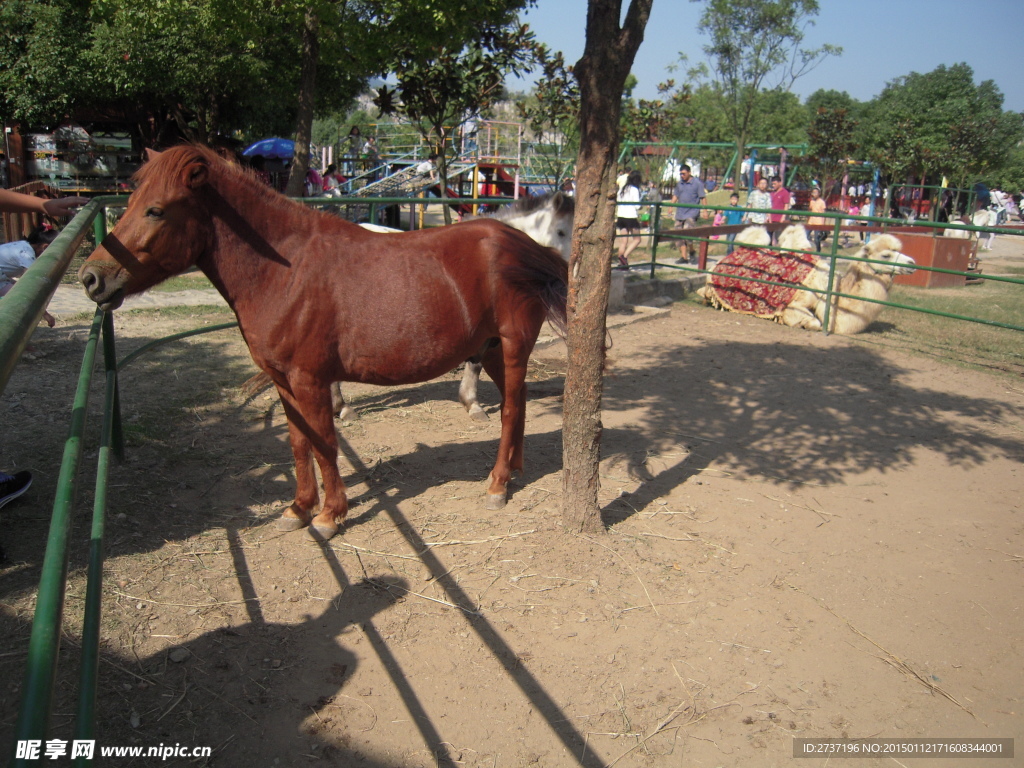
808,537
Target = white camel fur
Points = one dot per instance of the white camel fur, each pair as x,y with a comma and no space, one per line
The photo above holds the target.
866,282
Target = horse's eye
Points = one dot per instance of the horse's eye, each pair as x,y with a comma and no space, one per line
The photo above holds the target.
155,212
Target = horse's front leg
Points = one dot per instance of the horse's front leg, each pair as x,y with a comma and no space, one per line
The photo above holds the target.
307,405
298,514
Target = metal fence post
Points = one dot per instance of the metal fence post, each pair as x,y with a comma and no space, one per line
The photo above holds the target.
831,274
44,642
655,229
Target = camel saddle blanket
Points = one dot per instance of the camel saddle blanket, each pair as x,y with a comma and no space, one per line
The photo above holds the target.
729,287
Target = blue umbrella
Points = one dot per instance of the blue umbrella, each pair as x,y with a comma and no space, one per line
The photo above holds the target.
272,149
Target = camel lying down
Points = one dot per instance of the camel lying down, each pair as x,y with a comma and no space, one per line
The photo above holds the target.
800,300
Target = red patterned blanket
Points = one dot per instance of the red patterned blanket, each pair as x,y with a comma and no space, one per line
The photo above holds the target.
727,288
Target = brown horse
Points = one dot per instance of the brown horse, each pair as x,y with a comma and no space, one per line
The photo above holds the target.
321,300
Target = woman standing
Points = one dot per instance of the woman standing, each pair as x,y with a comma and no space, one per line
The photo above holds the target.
817,206
627,217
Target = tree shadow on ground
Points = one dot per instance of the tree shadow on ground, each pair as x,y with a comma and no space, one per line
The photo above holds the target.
789,414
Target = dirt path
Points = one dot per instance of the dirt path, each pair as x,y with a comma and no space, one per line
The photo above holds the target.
808,537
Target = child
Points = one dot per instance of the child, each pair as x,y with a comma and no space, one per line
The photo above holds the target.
854,211
18,256
718,221
731,218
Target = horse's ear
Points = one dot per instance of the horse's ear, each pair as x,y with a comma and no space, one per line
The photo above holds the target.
151,155
195,175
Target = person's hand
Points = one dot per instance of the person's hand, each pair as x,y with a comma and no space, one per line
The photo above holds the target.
61,206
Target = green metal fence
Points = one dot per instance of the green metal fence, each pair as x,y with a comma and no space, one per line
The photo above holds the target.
838,224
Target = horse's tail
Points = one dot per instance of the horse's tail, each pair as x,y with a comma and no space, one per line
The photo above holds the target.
255,384
543,275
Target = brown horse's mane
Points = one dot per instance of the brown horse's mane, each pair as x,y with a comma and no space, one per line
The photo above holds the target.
177,159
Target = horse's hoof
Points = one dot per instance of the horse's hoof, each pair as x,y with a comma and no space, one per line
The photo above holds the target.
476,413
348,414
321,532
289,524
495,500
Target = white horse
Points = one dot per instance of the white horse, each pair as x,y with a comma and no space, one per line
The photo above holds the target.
545,218
863,283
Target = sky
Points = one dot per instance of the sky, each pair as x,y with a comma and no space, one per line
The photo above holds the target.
881,40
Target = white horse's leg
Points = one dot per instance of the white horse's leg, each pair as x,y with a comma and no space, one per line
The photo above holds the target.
338,406
467,390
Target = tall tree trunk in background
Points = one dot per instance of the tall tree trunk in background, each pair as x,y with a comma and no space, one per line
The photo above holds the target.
601,73
442,173
307,101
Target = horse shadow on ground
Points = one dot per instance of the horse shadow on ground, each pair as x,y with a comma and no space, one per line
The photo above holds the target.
247,691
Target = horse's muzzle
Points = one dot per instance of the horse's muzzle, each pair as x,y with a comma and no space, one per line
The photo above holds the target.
106,292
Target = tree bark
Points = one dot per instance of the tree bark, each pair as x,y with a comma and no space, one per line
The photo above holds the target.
307,102
601,74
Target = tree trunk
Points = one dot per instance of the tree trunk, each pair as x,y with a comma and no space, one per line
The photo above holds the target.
737,174
307,101
601,74
442,175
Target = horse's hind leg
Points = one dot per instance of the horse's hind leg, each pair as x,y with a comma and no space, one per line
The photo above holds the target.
467,389
507,367
339,407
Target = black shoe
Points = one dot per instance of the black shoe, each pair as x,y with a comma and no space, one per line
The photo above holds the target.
12,486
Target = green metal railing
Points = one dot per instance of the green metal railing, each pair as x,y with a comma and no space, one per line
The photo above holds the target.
837,223
18,319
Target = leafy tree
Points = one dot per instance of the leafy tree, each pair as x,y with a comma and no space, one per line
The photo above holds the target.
195,68
779,119
696,115
601,73
41,76
832,99
941,124
551,114
191,70
438,94
1009,177
832,142
644,120
755,49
